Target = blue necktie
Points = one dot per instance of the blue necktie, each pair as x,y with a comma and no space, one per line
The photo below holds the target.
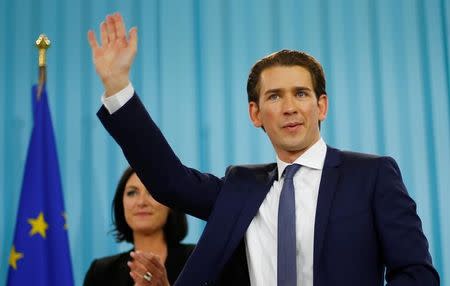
287,250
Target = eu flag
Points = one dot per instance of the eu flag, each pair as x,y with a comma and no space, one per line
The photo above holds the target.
40,252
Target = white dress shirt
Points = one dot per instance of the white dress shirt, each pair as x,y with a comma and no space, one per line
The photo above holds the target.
261,236
116,101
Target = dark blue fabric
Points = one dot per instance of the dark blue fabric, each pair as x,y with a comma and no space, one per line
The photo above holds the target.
287,254
42,258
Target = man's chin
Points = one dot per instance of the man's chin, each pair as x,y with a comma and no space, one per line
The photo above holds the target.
294,146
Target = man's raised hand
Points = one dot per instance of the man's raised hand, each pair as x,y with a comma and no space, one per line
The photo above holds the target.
114,57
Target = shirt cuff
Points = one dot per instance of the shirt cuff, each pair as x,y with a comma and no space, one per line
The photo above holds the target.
116,101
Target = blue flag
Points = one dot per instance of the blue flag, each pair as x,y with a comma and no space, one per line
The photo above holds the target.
40,252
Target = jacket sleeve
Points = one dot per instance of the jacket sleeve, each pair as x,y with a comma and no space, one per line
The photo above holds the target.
149,154
404,245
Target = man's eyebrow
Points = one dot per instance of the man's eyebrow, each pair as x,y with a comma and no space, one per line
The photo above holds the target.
275,90
302,88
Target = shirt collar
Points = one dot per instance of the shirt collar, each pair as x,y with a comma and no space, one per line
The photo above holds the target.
313,158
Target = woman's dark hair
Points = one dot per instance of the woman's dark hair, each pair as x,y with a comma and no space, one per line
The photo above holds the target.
175,228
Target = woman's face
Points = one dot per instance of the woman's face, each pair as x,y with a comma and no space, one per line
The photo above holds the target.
143,213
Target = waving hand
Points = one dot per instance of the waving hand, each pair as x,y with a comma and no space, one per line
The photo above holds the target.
114,57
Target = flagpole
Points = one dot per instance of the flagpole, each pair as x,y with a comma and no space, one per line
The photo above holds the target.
42,43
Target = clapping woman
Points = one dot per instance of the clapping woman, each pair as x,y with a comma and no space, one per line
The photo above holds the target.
152,228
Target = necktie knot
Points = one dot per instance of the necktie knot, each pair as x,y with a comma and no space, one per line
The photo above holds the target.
290,171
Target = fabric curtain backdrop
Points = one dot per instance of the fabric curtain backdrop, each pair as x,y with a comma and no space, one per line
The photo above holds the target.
386,63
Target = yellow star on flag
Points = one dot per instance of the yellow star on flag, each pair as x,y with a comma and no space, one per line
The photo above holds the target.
38,225
65,220
13,257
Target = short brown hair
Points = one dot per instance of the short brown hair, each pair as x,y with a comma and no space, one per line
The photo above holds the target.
286,58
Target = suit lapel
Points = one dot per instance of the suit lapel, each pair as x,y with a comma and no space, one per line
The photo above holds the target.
328,183
255,196
257,189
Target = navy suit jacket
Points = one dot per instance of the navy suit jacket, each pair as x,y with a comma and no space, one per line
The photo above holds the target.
365,224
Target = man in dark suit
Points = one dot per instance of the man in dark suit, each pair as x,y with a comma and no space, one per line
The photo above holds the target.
318,216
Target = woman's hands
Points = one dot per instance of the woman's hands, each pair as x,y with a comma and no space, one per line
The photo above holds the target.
147,269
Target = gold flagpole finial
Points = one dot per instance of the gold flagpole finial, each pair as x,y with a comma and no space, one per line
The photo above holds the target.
42,43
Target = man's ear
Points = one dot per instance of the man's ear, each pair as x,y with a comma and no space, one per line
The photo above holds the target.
323,106
253,110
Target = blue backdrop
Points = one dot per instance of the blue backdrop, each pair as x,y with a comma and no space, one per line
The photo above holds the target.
386,62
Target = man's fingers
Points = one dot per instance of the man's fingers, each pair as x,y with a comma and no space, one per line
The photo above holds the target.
104,34
112,57
133,39
110,27
120,27
92,40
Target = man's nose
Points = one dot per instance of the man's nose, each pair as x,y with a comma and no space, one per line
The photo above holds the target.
289,104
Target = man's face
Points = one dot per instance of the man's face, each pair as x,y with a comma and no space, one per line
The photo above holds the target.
288,110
